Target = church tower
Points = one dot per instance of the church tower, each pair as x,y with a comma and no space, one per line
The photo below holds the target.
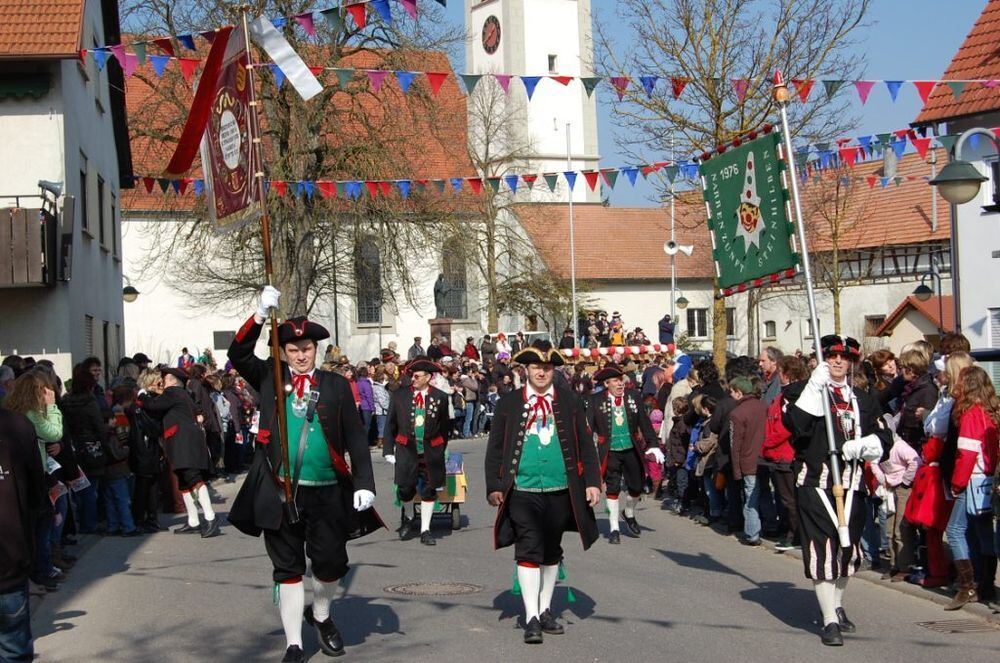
541,38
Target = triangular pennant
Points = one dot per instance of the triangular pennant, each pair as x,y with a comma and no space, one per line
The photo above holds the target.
740,86
334,19
504,81
385,188
922,144
476,184
119,52
631,172
803,86
164,184
898,147
187,41
309,188
148,182
511,181
893,87
404,188
372,187
672,173
456,184
344,77
677,86
199,187
591,177
957,87
570,176
550,180
180,186
897,180
831,87
689,170
562,80
341,189
864,88
159,63
436,79
140,51
326,189
590,83
208,36
381,7
530,180
101,57
649,84
357,12
188,67
306,21
865,142
871,181
405,79
620,83
411,7
375,78
279,22
947,141
924,89
529,84
279,76
316,70
165,45
470,81
131,62
883,181
494,183
610,176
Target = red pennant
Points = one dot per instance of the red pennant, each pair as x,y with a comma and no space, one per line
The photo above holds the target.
591,177
385,188
436,79
165,45
646,170
372,188
188,67
529,180
803,86
327,189
148,182
184,185
924,89
357,12
677,85
280,187
863,88
565,80
316,71
921,144
871,182
476,183
849,155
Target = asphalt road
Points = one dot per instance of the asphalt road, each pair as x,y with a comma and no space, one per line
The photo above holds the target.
679,593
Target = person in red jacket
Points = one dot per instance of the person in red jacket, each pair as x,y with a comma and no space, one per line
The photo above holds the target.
470,350
777,449
975,418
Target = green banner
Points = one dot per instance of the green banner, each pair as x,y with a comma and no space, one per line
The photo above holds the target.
748,213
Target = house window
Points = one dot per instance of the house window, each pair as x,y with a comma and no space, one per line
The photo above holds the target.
222,339
770,329
453,267
114,231
809,328
730,322
84,217
994,201
553,64
872,323
88,335
697,322
101,230
368,276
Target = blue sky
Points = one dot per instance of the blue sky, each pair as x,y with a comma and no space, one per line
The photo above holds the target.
912,40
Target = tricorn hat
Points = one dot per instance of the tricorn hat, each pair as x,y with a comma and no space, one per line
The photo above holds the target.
607,373
844,345
539,352
301,329
176,372
422,363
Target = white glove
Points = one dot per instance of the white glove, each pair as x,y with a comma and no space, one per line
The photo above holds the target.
820,376
813,398
867,448
363,500
268,300
655,453
390,459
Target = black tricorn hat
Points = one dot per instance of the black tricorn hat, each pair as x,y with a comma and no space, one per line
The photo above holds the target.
422,363
176,372
844,345
607,373
539,352
301,329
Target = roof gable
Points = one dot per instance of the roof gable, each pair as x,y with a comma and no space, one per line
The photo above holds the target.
940,314
40,29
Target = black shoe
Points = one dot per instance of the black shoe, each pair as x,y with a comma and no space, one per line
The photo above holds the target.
132,533
846,625
831,636
48,582
294,654
210,528
549,623
747,541
427,538
631,526
330,640
533,632
186,529
407,528
615,537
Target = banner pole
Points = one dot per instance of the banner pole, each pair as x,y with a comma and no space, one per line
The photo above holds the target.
781,96
265,232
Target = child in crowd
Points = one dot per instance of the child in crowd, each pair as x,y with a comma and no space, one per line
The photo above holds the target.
654,468
117,500
678,447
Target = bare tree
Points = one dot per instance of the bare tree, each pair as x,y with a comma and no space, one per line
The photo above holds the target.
707,44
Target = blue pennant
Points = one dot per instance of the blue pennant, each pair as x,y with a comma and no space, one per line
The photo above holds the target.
159,63
187,41
648,84
893,87
199,187
899,146
382,7
511,181
176,184
570,178
456,184
689,170
865,142
100,57
279,75
884,181
405,79
279,22
529,84
631,172
353,189
404,188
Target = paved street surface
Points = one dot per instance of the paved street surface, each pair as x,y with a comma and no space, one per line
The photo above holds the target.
680,593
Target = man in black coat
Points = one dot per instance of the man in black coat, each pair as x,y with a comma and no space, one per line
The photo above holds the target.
332,500
543,473
624,433
416,437
186,449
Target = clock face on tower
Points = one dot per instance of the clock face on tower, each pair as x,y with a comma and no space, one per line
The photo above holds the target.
491,35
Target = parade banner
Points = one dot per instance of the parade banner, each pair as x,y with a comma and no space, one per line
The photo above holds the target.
226,149
748,213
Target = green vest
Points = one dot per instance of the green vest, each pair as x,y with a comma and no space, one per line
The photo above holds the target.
419,421
541,469
317,468
621,439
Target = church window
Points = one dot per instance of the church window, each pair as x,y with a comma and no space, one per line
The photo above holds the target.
770,329
368,276
454,268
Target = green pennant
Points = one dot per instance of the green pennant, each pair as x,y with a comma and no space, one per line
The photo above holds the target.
898,180
884,140
822,147
334,18
440,185
341,190
831,87
470,81
140,51
590,84
947,141
957,88
344,77
801,158
672,172
551,181
494,183
611,176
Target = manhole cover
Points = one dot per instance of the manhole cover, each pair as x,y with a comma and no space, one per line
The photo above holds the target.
433,588
959,626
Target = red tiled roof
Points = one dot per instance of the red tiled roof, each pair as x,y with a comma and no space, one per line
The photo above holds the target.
33,29
977,59
929,309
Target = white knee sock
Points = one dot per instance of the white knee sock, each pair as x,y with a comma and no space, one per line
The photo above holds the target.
426,511
550,574
192,510
630,503
841,585
826,595
530,580
206,502
291,602
322,595
613,513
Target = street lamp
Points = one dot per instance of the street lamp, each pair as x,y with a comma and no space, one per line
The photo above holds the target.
923,292
129,293
682,302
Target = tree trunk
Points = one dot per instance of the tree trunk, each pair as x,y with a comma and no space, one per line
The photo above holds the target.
752,325
835,291
719,333
492,314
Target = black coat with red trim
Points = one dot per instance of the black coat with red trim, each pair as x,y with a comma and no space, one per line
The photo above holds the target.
259,502
183,437
503,453
639,427
400,441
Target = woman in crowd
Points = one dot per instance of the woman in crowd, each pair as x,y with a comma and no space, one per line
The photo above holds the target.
380,397
201,392
146,457
367,399
87,430
969,462
919,396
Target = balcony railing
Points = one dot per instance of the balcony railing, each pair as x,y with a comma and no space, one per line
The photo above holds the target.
27,248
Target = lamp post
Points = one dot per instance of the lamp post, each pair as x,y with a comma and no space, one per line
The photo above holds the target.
959,182
129,292
923,292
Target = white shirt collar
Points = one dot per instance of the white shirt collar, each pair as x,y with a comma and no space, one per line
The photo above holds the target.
549,393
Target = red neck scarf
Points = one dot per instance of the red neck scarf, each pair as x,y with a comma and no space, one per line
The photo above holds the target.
299,382
541,406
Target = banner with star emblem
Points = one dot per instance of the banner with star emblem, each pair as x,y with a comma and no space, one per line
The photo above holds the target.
748,214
